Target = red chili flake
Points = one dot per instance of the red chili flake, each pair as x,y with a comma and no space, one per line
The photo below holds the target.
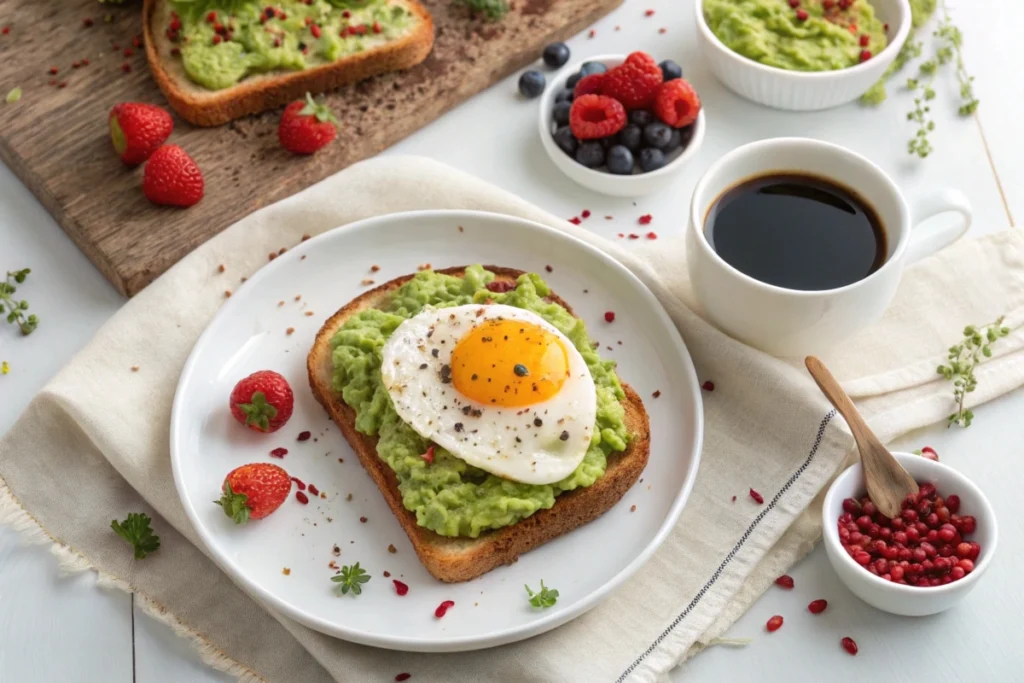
786,581
75,65
609,316
652,235
376,27
85,62
657,393
314,490
575,220
593,32
211,16
128,52
757,497
54,71
301,497
500,286
650,12
5,30
62,84
298,482
885,27
346,14
662,30
708,386
585,213
865,55
361,29
442,609
621,235
304,436
548,268
315,30
801,15
87,22
400,587
217,39
429,455
734,499
645,219
137,41
279,452
403,677
387,574
864,40
634,236
363,520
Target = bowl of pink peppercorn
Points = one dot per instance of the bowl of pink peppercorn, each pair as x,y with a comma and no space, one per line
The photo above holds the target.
922,562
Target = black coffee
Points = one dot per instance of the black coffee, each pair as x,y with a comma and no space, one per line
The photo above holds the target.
796,231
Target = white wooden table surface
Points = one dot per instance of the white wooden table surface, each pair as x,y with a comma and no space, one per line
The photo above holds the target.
54,628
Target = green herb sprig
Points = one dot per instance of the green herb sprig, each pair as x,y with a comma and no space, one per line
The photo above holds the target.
137,531
351,579
493,10
15,309
963,358
544,598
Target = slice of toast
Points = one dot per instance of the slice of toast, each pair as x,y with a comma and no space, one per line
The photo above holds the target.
259,92
461,558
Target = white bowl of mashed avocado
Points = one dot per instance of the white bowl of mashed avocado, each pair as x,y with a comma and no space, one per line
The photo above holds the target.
801,55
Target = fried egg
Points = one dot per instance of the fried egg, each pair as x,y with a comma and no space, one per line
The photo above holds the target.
496,386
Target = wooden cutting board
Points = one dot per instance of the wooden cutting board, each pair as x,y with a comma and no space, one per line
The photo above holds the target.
56,138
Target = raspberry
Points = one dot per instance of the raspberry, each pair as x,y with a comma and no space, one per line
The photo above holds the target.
596,116
676,103
589,85
634,82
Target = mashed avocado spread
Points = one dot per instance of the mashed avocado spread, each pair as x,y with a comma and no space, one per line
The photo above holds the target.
220,42
447,495
817,35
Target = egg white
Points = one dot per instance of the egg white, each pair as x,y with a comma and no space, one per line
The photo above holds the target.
536,444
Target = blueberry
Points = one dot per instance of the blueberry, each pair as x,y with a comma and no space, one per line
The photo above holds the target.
573,80
590,154
566,141
620,160
657,135
675,140
670,70
556,55
629,137
686,134
640,117
564,95
651,159
531,83
593,68
561,113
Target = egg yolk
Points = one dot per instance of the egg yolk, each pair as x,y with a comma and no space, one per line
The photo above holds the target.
509,363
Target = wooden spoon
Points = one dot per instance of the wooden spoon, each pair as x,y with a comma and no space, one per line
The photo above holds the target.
888,484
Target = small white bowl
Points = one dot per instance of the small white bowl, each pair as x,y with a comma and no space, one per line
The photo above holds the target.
804,90
636,185
911,601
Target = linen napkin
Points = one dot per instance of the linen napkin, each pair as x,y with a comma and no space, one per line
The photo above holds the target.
94,445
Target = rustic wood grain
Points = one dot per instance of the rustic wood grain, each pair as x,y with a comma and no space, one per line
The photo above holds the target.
56,138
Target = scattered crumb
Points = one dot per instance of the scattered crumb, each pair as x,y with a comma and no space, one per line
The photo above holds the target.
609,348
333,565
461,229
283,249
593,32
349,496
657,393
221,268
309,313
363,520
305,237
298,296
387,574
648,487
632,508
271,256
618,28
302,258
476,604
336,550
392,549
244,279
367,281
342,460
374,268
619,342
227,293
135,368
286,571
290,331
662,30
734,499
548,268
324,495
586,291
423,266
280,303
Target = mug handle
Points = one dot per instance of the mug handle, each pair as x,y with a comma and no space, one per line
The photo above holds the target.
945,200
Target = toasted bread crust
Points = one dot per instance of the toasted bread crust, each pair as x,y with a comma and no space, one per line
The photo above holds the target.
202,107
460,559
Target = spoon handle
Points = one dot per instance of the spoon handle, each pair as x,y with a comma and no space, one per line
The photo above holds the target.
838,398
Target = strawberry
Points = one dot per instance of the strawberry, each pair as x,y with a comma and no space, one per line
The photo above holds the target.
306,126
254,491
137,129
172,178
263,401
634,82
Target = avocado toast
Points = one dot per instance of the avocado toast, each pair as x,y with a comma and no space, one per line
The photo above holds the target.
458,554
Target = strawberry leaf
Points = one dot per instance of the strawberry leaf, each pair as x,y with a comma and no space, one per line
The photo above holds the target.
235,505
258,412
136,530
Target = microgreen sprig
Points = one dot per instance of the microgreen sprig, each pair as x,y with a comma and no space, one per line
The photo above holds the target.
963,358
137,531
14,309
544,598
492,10
351,578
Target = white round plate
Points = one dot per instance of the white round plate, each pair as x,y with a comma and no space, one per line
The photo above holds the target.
249,334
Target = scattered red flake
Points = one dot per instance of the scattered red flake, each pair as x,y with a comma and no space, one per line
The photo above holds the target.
548,268
429,455
786,581
609,316
387,574
304,436
175,51
621,235
137,41
128,52
657,393
634,236
279,452
593,32
314,490
662,30
734,499
400,587
442,609
865,55
301,497
217,39
62,84
54,71
794,3
757,497
864,40
315,30
929,453
649,13
376,27
618,28
607,218
75,65
708,386
575,220
126,67
298,482
652,235
885,27
87,22
85,62
585,213
801,15
211,16
363,520
5,30
403,677
645,219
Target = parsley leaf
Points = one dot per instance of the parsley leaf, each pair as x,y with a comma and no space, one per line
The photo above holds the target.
136,530
351,578
492,10
544,598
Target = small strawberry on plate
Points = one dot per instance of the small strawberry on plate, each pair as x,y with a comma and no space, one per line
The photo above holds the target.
254,491
137,129
171,178
263,401
306,126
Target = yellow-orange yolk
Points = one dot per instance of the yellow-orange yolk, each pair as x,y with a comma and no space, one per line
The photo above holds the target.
509,363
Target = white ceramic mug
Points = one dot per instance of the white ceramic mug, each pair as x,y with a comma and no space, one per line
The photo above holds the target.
789,322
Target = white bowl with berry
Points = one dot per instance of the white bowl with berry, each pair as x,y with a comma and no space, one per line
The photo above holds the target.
621,125
922,562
